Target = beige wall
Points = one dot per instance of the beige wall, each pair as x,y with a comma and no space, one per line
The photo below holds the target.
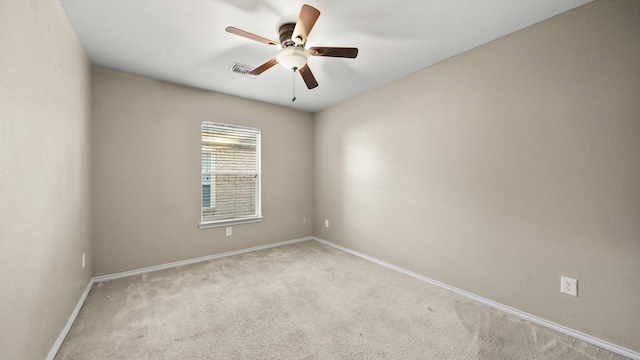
501,169
146,173
44,175
495,171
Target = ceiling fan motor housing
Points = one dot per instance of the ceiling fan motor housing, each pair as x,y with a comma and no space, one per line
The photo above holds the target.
292,55
286,30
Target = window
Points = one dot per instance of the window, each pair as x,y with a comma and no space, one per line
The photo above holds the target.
230,159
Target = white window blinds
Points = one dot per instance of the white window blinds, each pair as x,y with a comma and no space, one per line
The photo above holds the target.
230,159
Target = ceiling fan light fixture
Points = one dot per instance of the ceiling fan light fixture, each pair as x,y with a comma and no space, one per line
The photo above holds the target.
292,57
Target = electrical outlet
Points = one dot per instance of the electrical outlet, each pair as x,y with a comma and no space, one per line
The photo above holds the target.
326,223
568,286
83,262
229,231
304,220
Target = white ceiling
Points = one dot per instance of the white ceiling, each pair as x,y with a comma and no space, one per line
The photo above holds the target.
184,41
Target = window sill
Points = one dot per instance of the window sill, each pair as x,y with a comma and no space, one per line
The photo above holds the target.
229,222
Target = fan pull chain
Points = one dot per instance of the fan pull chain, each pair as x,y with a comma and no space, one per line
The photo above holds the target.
293,82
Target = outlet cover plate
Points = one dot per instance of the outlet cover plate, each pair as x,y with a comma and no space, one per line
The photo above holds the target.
568,286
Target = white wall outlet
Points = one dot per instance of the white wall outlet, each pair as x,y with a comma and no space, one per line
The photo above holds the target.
229,231
568,286
304,220
83,261
326,223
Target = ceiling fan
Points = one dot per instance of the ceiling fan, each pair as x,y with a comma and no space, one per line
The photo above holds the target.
292,53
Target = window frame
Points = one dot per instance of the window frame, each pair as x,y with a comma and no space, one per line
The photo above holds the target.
209,125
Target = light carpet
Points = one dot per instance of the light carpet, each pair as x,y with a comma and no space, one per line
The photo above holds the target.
300,301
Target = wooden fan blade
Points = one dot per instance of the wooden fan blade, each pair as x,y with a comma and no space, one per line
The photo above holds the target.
308,77
262,68
248,35
307,18
343,52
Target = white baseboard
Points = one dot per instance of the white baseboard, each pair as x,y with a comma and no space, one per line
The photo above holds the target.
534,319
193,261
521,314
67,327
97,279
